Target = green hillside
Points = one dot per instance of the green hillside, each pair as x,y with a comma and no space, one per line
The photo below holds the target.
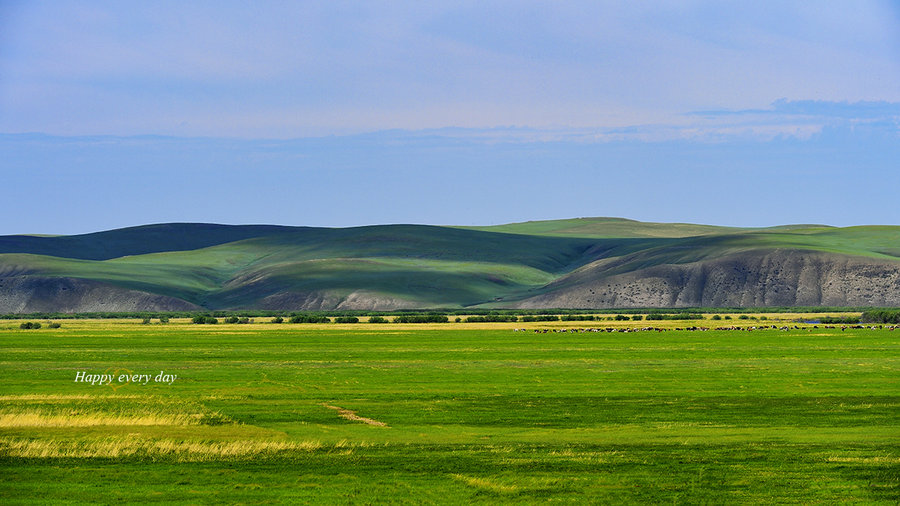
394,266
607,228
136,240
419,264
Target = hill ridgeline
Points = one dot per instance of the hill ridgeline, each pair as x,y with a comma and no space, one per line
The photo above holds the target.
580,263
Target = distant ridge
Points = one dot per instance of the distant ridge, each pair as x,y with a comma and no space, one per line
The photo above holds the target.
138,240
577,263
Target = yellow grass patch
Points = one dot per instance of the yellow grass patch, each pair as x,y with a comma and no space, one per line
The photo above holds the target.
865,460
185,451
54,397
485,484
39,419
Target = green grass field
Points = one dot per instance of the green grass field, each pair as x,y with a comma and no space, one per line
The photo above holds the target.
451,413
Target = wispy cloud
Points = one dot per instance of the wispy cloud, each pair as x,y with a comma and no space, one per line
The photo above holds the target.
803,118
817,108
800,119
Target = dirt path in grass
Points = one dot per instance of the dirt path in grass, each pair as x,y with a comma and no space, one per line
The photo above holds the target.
353,417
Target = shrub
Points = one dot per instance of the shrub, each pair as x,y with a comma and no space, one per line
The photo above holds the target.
743,317
346,319
541,318
716,317
679,316
278,319
839,320
428,318
309,319
881,316
163,319
231,319
577,317
201,320
54,325
492,318
377,319
146,321
30,325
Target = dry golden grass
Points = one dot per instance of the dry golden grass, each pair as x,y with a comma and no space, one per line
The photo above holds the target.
182,451
484,484
865,460
62,411
41,419
56,398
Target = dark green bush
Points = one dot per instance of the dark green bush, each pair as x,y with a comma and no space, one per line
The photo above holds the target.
839,319
309,319
541,318
492,318
428,318
881,316
577,318
679,316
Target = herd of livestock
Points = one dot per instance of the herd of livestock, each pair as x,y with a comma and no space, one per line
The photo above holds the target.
701,329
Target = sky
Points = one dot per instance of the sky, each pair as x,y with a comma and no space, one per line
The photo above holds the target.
123,113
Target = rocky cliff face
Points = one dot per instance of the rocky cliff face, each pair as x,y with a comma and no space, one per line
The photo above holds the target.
360,300
785,277
37,294
752,279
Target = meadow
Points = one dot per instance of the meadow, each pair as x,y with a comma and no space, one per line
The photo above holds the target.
448,413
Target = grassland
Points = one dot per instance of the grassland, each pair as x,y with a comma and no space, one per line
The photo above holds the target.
452,413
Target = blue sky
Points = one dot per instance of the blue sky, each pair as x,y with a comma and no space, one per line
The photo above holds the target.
349,113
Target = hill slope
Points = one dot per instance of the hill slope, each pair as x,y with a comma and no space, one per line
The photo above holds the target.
583,263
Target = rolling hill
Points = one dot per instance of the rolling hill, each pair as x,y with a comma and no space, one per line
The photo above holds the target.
579,263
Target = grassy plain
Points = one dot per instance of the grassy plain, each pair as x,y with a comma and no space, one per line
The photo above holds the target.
451,413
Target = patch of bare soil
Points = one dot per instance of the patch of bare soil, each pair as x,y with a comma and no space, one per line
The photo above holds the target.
353,417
